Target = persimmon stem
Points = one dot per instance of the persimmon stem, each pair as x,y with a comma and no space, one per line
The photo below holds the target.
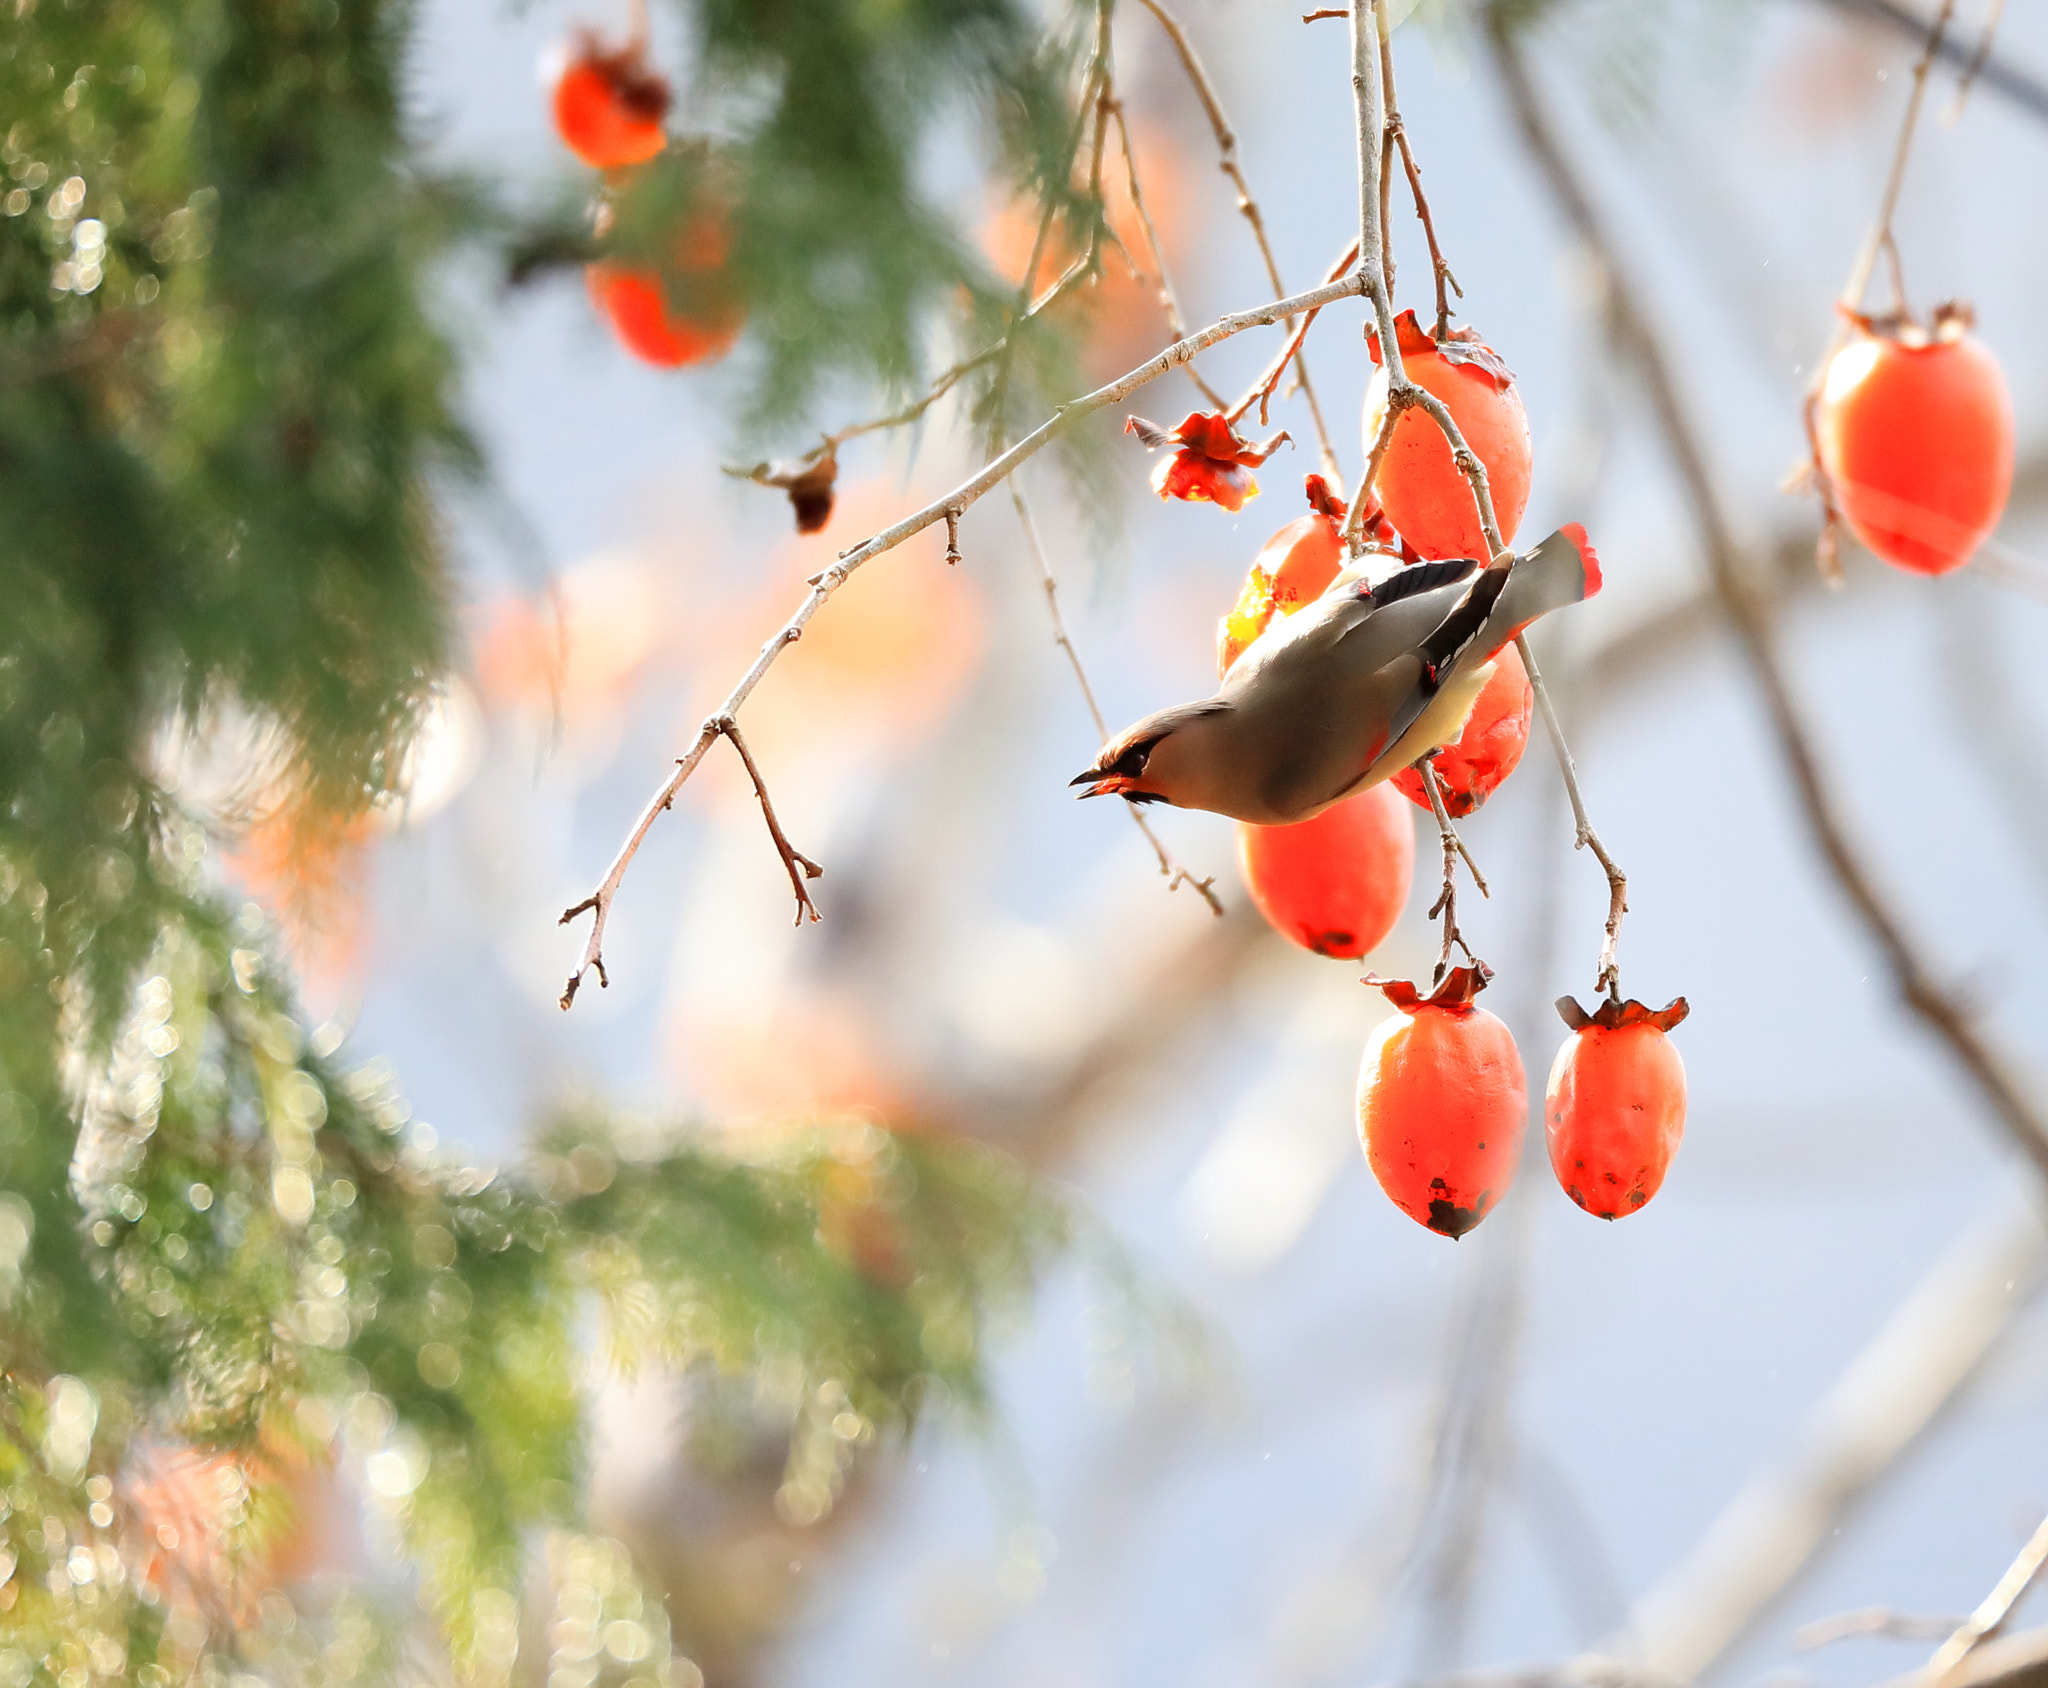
1584,837
1176,875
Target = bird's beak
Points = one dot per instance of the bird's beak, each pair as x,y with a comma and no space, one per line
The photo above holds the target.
1100,784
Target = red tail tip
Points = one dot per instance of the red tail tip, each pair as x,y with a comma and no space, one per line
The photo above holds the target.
1587,555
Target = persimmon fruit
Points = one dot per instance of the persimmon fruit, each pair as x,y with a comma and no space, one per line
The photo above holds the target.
1614,1109
1915,434
634,299
1334,884
1291,569
609,106
1489,749
1442,1102
1418,482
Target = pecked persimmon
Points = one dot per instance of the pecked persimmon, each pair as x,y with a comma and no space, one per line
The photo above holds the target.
1915,433
636,302
1614,1109
1335,884
1211,462
1291,569
609,105
1442,1102
1418,482
1489,749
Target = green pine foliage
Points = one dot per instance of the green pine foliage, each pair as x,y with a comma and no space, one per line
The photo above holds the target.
226,410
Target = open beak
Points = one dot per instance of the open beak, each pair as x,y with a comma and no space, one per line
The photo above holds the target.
1100,784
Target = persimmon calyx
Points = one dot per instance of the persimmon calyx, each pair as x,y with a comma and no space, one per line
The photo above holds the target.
1460,987
1948,322
1208,435
1613,1016
641,90
1459,345
1324,502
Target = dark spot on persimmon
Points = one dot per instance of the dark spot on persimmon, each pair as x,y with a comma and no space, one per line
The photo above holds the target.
1334,944
1451,1220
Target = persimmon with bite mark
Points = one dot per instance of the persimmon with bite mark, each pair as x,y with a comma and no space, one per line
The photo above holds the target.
1335,884
1915,435
1418,481
1488,750
1614,1109
1291,569
1442,1102
609,105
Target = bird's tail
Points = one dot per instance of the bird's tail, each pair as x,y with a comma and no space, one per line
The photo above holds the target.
1564,569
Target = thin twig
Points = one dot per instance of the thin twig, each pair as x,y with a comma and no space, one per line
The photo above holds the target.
799,865
1993,13
1446,283
1584,837
1949,1017
1989,1618
1226,147
828,581
1176,875
952,538
1871,1620
1446,904
1169,301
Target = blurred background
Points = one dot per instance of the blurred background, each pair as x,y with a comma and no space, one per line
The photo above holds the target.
1315,1443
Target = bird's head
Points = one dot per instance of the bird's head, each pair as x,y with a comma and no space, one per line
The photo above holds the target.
1165,758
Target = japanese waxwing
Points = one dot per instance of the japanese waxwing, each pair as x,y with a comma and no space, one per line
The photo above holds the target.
1347,690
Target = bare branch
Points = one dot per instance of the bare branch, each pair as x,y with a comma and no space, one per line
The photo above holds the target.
1226,147
1997,1078
1871,1620
1176,875
829,580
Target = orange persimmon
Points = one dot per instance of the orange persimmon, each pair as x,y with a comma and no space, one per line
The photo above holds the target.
1418,482
1442,1102
1337,883
1614,1109
609,105
1915,434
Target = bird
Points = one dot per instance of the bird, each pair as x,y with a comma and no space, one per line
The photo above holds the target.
1365,681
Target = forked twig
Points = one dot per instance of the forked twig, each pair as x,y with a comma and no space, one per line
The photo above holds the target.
1261,391
1446,904
1176,875
800,866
